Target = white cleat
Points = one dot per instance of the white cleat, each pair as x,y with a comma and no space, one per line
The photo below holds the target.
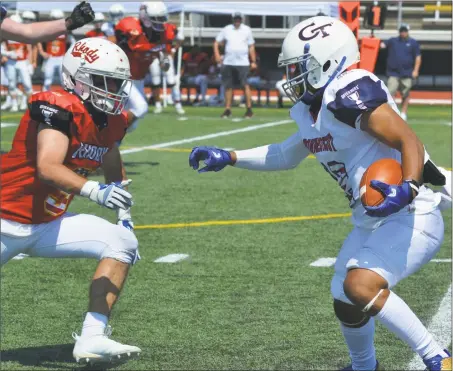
179,109
404,116
101,349
6,105
157,109
14,108
23,106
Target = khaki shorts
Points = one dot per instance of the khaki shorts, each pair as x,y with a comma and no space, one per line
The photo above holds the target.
401,84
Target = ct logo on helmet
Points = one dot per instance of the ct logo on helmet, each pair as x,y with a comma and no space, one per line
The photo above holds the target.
82,50
305,34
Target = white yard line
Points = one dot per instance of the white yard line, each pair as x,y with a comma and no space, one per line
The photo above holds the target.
172,258
440,328
441,261
208,136
8,125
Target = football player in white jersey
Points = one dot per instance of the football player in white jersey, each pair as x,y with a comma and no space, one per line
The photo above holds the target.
349,120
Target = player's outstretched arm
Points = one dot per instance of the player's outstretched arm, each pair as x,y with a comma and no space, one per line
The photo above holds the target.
45,31
388,127
282,156
52,148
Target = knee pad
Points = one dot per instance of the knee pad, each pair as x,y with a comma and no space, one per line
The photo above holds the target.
122,246
350,315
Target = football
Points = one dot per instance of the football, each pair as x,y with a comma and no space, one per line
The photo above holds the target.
386,170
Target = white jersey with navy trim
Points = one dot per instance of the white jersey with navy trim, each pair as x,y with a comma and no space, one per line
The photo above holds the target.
345,151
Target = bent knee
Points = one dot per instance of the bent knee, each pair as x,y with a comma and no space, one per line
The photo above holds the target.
123,246
362,285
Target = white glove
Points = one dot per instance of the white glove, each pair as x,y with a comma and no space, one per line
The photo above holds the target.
112,196
125,218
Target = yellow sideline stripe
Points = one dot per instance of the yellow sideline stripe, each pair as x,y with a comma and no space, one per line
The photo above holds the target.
211,223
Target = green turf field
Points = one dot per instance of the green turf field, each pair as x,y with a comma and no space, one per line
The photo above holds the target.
247,298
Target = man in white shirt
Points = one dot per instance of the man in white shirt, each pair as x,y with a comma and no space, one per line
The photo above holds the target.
239,45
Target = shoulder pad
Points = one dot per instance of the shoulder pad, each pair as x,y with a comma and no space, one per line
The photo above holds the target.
352,94
53,109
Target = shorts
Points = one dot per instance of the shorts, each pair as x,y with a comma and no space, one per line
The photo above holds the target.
395,250
401,84
232,74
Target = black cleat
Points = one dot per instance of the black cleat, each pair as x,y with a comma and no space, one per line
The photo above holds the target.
226,114
248,113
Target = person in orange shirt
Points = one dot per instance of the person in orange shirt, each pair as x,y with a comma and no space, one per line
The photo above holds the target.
143,39
63,137
54,51
97,30
20,63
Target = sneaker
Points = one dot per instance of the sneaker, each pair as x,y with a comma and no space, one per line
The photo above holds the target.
248,114
439,362
226,114
101,349
179,109
377,368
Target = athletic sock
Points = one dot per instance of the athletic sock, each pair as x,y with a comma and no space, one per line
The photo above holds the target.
94,324
397,317
360,342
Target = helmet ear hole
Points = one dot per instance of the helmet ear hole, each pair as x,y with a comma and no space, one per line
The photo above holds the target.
326,66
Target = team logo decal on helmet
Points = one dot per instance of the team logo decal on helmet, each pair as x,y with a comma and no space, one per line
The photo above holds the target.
82,50
313,31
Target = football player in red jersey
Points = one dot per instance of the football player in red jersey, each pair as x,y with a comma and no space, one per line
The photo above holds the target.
62,137
143,39
54,51
97,30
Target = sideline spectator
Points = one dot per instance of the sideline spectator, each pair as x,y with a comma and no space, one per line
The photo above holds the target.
195,71
215,78
403,65
239,45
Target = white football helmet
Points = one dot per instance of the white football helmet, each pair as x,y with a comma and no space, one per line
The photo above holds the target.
116,13
98,70
153,14
28,16
16,18
320,48
56,14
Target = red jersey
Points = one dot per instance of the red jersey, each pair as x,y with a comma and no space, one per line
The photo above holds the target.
196,64
141,49
96,33
25,198
21,49
57,48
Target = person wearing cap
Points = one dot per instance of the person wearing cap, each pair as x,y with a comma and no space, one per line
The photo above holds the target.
239,59
403,65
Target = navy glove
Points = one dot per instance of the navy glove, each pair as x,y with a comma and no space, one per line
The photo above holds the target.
215,159
396,198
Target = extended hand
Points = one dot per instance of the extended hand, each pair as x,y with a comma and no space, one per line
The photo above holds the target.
215,159
80,16
396,198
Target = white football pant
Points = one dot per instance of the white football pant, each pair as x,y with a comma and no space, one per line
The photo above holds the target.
52,64
156,77
22,68
70,236
396,249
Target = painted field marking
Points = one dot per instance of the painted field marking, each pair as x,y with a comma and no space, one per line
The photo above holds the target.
329,262
211,223
324,262
8,125
208,136
20,257
439,327
172,258
441,261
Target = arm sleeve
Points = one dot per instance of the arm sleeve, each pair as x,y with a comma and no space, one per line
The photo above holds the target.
417,49
357,97
51,115
282,156
250,39
221,36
